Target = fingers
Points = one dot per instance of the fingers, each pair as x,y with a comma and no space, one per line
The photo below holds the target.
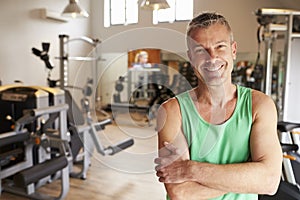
166,175
171,148
162,162
161,176
167,158
169,165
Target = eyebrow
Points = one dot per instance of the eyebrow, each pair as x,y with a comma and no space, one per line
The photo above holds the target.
222,41
196,45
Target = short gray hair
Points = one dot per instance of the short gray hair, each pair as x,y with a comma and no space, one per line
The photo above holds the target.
205,20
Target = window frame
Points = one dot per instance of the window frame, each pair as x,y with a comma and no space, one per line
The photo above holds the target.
127,9
155,18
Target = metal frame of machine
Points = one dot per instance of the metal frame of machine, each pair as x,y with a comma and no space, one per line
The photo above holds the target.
278,25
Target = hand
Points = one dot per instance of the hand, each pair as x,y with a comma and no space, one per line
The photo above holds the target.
171,168
168,154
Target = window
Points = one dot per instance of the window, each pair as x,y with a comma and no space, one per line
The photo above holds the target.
120,12
179,10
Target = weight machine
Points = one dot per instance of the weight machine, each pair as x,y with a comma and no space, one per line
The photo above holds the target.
146,95
67,135
281,27
31,156
34,115
289,187
86,127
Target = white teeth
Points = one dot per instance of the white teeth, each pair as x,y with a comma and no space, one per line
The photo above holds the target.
213,69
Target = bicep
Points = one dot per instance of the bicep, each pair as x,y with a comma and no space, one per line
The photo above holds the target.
264,141
169,129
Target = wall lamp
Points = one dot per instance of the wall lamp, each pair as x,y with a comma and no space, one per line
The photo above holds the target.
74,10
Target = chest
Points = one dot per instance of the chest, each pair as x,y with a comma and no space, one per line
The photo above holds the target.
216,114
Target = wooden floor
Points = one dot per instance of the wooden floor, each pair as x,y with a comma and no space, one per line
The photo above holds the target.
128,175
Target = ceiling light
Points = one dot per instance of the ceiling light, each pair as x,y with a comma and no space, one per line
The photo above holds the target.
73,10
154,4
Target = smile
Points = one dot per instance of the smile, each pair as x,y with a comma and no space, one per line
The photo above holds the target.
213,68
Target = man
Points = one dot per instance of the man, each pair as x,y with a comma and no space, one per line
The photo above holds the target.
218,140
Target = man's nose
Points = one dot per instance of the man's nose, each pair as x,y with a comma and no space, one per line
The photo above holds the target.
211,54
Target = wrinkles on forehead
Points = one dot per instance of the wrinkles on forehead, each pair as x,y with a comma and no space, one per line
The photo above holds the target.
211,36
191,39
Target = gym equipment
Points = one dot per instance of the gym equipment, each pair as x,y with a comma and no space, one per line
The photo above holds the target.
275,25
119,87
64,58
248,74
188,79
14,99
279,26
147,95
20,157
289,137
145,99
52,163
80,124
44,54
289,188
150,92
88,131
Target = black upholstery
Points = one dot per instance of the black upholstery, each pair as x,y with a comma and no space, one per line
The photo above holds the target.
287,126
39,171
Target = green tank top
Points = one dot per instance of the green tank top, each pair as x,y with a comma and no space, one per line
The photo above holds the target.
219,144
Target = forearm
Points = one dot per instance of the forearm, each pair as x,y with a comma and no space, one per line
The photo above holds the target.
191,190
249,177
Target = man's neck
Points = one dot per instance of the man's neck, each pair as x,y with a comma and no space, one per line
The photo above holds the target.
216,96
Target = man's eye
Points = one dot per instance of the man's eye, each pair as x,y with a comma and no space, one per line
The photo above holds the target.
221,46
199,51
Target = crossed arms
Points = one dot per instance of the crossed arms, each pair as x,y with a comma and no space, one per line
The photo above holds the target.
186,179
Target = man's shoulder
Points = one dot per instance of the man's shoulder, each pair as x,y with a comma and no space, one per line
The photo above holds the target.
171,104
259,97
261,102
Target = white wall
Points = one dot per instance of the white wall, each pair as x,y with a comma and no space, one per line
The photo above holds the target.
23,28
291,100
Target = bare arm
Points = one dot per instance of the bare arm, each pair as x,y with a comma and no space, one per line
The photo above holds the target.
261,175
169,130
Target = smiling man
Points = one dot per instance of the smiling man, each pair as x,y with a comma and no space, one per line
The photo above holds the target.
218,140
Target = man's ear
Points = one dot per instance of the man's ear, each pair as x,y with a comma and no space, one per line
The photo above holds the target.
234,49
189,54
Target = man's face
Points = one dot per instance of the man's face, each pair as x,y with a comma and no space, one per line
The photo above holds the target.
211,53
